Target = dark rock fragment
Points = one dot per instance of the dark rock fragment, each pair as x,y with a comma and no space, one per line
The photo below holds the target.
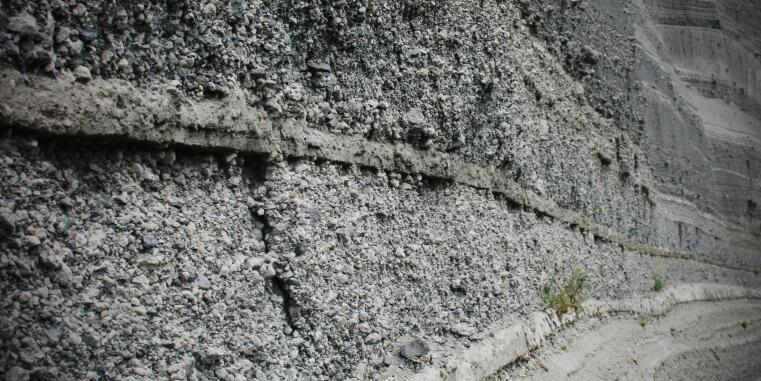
414,348
319,67
7,223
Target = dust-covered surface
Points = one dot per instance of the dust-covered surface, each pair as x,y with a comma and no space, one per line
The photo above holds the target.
373,186
729,363
698,341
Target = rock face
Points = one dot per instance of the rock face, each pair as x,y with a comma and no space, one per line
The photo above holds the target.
705,105
234,190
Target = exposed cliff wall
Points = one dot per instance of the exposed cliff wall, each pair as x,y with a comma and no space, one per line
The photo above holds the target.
236,190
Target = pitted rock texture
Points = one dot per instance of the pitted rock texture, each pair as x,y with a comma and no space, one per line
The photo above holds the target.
256,189
381,251
127,262
399,71
556,95
179,265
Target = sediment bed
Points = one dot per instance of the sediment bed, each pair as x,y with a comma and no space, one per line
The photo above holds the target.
354,191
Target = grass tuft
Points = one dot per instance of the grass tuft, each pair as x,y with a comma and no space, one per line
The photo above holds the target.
567,298
658,282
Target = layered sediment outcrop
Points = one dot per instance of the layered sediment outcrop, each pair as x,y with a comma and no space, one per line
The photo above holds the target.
350,190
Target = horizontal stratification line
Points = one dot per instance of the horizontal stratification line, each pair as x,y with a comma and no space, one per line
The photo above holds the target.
507,345
113,109
299,141
116,110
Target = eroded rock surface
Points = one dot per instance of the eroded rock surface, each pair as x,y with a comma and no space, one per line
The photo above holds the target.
358,190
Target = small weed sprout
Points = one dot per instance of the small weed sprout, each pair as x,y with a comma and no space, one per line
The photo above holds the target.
658,282
568,297
643,320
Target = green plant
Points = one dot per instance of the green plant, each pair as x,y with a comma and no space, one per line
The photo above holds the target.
643,320
658,282
567,298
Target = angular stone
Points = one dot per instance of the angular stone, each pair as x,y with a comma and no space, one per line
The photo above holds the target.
415,117
319,67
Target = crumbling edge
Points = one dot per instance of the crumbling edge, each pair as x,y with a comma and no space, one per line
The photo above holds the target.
517,341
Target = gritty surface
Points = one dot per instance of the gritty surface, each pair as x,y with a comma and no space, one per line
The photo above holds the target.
581,102
396,71
125,262
175,264
146,261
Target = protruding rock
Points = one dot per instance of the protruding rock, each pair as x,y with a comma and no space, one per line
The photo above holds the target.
463,329
203,282
53,334
150,260
49,260
150,241
238,8
11,49
414,52
373,338
319,67
415,117
23,23
82,74
88,34
90,340
456,142
414,348
7,223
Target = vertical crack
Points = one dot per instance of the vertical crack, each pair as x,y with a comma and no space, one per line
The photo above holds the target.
255,169
291,310
263,224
